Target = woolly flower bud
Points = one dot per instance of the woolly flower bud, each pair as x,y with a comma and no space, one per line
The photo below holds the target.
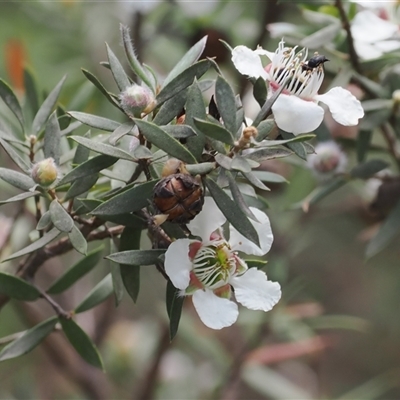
328,160
45,172
136,99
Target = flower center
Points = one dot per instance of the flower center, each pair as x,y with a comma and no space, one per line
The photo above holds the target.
303,80
213,265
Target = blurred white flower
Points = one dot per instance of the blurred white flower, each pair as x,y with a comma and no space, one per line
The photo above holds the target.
327,161
296,110
208,269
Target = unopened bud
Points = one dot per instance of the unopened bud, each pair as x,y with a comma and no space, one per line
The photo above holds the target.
45,172
328,160
136,99
173,166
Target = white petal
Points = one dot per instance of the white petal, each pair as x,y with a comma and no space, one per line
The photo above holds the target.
215,312
368,27
367,51
344,107
207,221
255,291
247,62
388,45
178,264
296,115
279,29
263,228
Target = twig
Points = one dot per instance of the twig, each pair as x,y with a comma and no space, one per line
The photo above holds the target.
350,41
57,308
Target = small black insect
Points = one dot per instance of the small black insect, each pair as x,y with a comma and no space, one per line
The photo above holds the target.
314,62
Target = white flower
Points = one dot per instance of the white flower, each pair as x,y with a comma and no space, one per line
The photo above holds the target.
374,36
210,268
296,110
327,161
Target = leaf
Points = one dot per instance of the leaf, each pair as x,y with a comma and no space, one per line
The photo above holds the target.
77,240
130,240
103,148
31,91
15,156
120,132
297,148
368,169
239,163
11,100
260,91
81,342
322,36
117,282
228,207
14,178
38,244
94,121
81,185
268,154
90,167
60,217
19,197
195,109
226,103
187,60
171,108
137,257
273,143
117,70
164,141
44,221
214,131
179,131
29,340
363,142
201,169
183,80
267,176
387,232
255,181
46,108
17,288
238,197
52,138
224,161
174,303
97,295
77,271
133,199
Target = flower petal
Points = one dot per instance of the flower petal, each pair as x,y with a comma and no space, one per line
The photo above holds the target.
239,243
178,264
255,291
344,107
247,62
207,221
215,312
295,115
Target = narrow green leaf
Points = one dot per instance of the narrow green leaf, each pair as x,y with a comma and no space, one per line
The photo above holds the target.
201,169
90,167
183,80
117,282
238,197
60,217
77,240
120,132
298,138
16,179
368,169
81,186
267,176
296,147
224,161
164,141
17,288
268,154
46,108
260,91
137,257
195,109
228,207
81,342
29,340
187,60
133,199
103,148
214,131
52,138
15,156
94,121
255,181
117,70
179,131
77,271
174,303
226,103
44,221
171,108
38,244
239,163
19,197
97,295
387,232
363,142
11,100
31,91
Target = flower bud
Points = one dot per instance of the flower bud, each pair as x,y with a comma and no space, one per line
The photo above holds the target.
180,196
136,99
45,172
328,160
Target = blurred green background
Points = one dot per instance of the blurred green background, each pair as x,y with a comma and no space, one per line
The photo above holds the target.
336,332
